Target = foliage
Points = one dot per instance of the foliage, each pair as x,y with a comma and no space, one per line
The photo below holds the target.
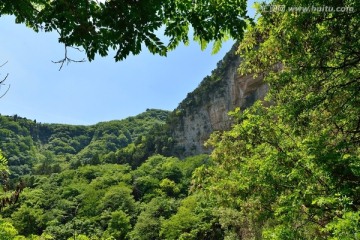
3,163
125,26
7,230
119,225
106,201
148,223
193,220
32,147
289,168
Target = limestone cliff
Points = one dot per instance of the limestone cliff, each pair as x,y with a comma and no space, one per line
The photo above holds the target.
206,108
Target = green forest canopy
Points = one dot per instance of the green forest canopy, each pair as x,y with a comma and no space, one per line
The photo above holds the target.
289,168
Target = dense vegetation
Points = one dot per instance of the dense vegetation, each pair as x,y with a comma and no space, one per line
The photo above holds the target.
289,168
32,147
127,26
107,201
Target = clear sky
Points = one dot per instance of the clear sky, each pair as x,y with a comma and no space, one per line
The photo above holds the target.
90,92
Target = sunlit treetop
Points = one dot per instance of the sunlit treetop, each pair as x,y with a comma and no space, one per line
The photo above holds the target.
127,25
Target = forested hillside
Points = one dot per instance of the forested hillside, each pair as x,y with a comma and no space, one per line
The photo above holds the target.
36,148
288,168
105,201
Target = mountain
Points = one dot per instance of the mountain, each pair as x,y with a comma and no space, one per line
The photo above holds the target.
30,146
205,110
286,171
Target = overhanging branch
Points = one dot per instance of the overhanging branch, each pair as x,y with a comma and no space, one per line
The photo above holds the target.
68,60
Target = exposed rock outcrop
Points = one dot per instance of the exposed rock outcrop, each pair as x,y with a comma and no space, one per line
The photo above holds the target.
206,109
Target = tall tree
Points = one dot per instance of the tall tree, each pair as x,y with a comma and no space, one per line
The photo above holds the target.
289,169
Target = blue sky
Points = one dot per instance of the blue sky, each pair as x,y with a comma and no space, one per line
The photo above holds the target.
90,92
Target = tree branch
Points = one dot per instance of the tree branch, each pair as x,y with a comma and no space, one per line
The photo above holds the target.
68,60
2,81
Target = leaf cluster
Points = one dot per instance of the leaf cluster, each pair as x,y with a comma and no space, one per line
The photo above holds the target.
127,25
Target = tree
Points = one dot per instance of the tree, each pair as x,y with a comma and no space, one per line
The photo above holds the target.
7,197
118,198
148,223
3,163
28,220
193,220
7,230
119,225
289,167
124,25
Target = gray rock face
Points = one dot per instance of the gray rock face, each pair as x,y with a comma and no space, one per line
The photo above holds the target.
206,109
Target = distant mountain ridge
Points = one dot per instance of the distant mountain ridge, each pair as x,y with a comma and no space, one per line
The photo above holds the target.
29,145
